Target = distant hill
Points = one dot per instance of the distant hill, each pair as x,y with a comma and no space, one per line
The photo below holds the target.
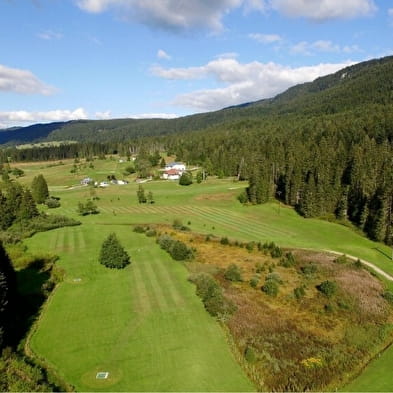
33,133
365,83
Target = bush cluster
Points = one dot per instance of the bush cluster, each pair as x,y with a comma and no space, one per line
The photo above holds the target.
233,273
175,248
272,248
288,260
212,297
271,285
328,288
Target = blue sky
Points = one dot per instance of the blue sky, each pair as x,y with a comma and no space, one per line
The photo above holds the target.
74,59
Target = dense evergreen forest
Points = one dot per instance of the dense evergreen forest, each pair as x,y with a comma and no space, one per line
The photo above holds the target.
323,147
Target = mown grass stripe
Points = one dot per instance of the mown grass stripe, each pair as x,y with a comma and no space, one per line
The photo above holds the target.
155,290
142,300
166,286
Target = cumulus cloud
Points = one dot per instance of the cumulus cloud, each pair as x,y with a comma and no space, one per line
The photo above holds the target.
265,38
323,10
161,54
241,82
20,117
172,14
22,81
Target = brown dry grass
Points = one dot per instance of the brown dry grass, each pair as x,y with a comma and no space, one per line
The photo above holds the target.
227,196
284,331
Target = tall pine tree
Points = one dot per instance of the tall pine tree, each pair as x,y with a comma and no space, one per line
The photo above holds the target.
112,253
39,189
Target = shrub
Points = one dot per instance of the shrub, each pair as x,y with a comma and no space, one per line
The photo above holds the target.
341,259
151,232
233,273
52,203
88,208
212,297
288,260
328,288
276,252
243,197
224,241
274,277
388,295
179,251
185,179
250,246
249,355
254,281
139,229
358,264
259,267
165,242
299,292
270,288
309,269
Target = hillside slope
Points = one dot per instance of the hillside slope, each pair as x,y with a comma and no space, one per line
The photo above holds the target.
359,85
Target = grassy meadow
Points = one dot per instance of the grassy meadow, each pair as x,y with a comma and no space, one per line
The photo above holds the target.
144,325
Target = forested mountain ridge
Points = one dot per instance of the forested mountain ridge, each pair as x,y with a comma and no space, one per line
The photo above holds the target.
355,86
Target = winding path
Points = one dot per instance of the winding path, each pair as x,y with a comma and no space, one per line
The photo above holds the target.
369,264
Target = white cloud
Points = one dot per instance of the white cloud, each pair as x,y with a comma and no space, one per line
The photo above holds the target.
308,48
241,82
161,54
153,116
20,117
22,81
323,10
265,38
103,115
172,14
49,35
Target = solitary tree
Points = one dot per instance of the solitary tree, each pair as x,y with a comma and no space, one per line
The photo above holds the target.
141,195
150,198
112,253
39,189
185,179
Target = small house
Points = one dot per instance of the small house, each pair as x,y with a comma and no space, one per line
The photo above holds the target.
86,181
175,165
172,174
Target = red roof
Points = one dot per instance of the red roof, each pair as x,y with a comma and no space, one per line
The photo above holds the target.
172,172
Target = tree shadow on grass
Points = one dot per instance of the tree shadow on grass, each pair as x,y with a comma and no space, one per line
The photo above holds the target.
33,284
383,253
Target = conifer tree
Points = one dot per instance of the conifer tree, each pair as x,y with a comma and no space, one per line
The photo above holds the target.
112,253
39,189
27,208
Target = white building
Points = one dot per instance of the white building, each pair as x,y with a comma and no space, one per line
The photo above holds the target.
179,166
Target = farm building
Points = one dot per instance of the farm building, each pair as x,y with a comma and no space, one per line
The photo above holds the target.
172,174
86,181
173,171
175,165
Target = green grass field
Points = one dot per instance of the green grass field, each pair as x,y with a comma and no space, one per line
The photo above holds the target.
377,377
144,324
